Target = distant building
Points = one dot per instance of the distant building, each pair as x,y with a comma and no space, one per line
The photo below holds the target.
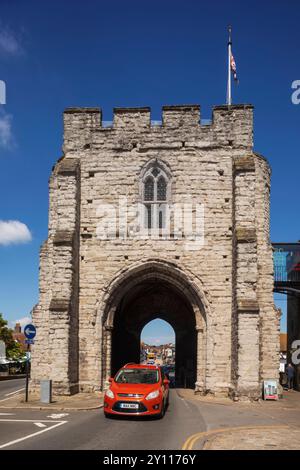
169,352
19,336
283,342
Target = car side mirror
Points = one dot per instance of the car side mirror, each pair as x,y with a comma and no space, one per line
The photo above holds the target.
110,379
166,382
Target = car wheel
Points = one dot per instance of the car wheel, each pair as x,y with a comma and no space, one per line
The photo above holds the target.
167,403
107,415
163,410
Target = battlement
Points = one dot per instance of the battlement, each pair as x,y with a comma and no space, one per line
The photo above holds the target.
230,121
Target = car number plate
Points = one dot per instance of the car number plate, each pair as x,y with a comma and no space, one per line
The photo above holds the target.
134,406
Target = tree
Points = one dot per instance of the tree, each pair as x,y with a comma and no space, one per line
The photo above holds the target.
13,348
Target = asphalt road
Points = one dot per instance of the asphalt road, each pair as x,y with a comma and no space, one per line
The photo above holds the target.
91,430
9,387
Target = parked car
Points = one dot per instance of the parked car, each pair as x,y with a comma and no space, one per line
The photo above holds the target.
137,389
169,371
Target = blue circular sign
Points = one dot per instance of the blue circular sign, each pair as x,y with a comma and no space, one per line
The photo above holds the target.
30,331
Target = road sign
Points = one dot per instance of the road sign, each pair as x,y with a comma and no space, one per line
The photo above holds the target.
29,341
30,331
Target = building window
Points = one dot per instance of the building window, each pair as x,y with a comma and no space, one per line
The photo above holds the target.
149,189
155,196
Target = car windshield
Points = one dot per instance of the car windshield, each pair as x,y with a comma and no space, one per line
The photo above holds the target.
137,376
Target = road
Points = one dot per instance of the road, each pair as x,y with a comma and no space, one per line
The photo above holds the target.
9,387
91,430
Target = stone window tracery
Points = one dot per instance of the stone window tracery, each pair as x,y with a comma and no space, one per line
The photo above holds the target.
155,196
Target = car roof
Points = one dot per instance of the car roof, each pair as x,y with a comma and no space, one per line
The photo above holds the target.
140,366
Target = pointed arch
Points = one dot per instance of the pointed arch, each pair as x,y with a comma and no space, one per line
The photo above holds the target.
176,282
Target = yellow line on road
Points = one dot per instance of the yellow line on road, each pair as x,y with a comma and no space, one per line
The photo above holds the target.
190,442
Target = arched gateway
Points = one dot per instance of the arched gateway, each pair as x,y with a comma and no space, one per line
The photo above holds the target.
141,293
166,220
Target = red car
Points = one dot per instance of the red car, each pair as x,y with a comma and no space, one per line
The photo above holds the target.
139,390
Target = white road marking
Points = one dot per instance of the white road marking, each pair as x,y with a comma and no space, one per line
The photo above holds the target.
58,415
7,414
184,401
7,444
29,421
9,398
13,393
40,425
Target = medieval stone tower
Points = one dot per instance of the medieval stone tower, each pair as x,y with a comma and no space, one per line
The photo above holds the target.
100,283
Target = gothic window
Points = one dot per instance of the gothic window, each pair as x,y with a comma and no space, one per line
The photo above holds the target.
149,189
155,195
161,189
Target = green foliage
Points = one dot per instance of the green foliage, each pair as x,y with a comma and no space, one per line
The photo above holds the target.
13,348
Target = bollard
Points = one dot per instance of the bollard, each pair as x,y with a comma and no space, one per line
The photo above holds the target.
46,391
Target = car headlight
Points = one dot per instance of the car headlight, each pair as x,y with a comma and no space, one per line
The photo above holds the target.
152,395
110,393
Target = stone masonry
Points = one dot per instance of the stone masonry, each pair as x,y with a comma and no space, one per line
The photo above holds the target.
227,283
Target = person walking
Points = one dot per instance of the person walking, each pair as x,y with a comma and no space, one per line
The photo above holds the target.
290,372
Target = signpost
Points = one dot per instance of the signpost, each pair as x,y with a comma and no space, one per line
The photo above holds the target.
29,332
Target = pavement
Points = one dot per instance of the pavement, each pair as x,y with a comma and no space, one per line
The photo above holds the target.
191,422
266,438
261,425
12,396
80,401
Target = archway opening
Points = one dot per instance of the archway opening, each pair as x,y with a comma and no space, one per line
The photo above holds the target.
158,347
148,300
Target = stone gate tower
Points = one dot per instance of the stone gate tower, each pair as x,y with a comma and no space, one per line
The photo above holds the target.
98,290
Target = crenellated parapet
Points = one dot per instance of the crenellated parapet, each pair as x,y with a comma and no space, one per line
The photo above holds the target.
230,125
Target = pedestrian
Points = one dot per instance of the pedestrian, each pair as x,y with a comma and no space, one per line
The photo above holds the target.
290,372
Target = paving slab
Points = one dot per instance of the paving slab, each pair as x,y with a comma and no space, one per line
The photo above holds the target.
268,438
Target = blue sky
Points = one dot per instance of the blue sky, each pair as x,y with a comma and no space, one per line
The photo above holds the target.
55,54
158,332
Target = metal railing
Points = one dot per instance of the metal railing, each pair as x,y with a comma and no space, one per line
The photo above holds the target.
286,259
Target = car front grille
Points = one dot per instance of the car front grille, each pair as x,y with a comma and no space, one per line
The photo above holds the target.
141,407
130,395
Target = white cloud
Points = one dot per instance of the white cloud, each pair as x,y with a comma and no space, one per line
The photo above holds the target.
10,44
14,232
158,340
23,322
6,137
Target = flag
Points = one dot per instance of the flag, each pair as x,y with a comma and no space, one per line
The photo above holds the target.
231,70
233,67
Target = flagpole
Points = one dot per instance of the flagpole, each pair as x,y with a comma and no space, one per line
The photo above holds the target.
229,100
